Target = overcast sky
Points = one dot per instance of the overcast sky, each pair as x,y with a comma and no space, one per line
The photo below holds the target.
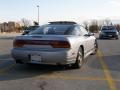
77,10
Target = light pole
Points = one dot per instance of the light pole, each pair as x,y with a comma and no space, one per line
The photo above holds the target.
38,13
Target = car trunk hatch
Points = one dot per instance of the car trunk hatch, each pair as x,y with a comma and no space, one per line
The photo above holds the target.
41,42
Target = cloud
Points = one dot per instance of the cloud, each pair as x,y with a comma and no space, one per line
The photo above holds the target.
115,3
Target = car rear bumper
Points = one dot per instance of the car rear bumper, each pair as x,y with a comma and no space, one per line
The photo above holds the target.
46,57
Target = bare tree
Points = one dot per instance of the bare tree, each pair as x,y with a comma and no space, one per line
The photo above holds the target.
108,22
94,27
86,25
94,22
118,27
25,22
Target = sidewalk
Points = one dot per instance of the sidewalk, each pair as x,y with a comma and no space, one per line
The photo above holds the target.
9,35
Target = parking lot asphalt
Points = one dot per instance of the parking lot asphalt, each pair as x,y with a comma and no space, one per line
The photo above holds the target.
99,72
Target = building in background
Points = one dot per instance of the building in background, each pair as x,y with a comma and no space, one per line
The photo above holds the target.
10,27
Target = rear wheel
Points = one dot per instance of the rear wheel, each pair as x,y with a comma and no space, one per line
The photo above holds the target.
18,61
79,59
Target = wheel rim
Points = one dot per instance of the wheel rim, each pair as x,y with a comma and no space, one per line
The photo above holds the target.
80,58
96,47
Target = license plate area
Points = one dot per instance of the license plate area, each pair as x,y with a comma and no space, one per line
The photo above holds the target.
110,35
35,58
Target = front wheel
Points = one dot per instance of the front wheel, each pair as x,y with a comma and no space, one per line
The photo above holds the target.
79,59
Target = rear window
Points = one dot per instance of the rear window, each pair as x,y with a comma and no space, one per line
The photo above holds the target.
53,30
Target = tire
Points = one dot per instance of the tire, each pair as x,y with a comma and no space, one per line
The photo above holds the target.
116,38
79,59
95,48
18,62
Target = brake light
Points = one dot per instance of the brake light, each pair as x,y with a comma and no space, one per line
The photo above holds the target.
53,43
60,44
18,43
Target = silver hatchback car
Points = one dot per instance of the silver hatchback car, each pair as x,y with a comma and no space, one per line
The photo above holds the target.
57,43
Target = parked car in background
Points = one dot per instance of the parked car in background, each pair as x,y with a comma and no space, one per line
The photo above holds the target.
57,43
31,28
109,32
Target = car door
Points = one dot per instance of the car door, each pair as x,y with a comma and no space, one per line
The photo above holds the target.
83,39
88,40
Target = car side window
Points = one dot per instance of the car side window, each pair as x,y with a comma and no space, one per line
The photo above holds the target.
73,31
77,31
83,30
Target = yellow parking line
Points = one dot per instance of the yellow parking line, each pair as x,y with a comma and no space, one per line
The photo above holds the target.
70,77
108,76
66,77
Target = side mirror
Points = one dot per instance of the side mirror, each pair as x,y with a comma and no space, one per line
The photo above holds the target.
92,34
89,34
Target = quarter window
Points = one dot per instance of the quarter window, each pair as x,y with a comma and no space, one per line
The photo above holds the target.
83,30
77,31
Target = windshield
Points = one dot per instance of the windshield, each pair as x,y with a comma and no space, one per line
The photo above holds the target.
53,30
108,28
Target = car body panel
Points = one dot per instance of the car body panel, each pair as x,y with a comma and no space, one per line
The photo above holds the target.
109,33
47,54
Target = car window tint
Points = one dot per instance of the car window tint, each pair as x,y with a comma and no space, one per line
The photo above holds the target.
53,30
77,31
83,30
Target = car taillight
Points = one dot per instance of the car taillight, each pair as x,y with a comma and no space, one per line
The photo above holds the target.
18,43
53,43
60,44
